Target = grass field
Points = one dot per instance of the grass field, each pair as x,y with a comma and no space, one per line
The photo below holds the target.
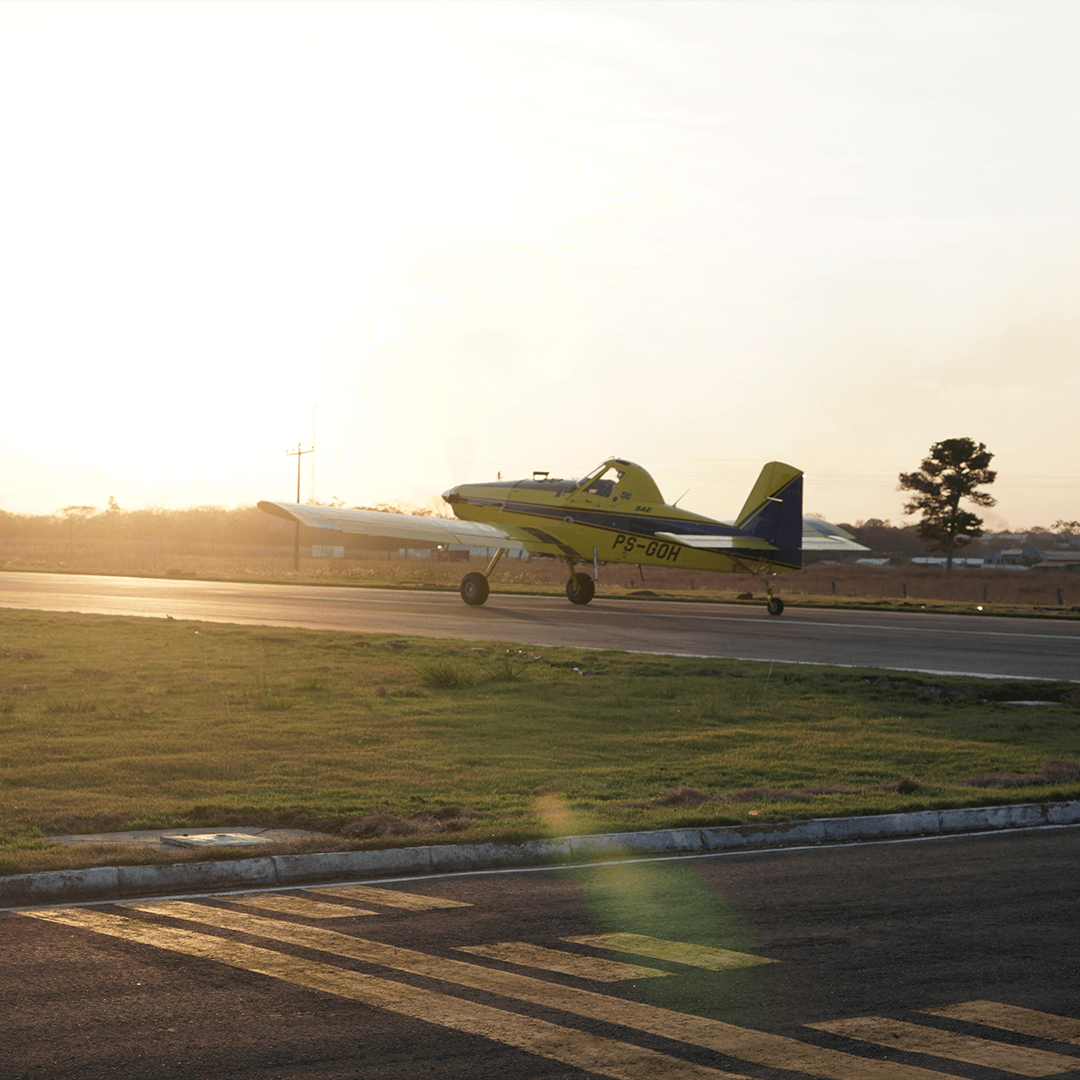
123,723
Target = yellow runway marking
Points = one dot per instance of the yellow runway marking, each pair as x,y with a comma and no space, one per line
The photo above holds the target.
1012,1018
297,905
579,1049
701,956
899,1035
584,967
746,1044
368,894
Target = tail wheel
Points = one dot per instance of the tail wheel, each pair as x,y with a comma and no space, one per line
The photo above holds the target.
776,605
474,589
580,589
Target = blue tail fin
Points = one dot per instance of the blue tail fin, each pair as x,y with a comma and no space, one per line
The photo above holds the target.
773,512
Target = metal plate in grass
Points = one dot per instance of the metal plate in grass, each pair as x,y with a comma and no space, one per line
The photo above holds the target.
220,839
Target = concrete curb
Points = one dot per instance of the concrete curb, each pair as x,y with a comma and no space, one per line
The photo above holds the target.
126,882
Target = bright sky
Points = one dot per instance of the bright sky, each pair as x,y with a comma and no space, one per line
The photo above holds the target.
455,239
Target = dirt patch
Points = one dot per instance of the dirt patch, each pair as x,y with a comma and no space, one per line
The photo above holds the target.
445,819
1052,772
683,796
984,693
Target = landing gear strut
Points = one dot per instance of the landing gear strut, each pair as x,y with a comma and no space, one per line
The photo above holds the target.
474,586
773,604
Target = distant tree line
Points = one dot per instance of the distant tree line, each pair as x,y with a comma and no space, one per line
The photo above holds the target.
207,527
87,524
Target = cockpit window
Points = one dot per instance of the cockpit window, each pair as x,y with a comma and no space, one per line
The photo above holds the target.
603,482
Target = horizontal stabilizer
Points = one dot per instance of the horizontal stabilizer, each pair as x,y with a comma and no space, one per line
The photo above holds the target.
725,542
817,535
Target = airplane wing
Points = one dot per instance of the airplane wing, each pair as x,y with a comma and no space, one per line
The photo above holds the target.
817,535
399,526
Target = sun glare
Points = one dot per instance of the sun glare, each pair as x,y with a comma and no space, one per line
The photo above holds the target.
692,234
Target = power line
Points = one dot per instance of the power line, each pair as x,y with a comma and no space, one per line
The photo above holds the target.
298,454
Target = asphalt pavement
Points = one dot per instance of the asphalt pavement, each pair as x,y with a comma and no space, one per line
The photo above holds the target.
911,641
947,958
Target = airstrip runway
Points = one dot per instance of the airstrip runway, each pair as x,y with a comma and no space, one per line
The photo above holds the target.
955,644
934,960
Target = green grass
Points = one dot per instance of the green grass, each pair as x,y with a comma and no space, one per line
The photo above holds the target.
123,723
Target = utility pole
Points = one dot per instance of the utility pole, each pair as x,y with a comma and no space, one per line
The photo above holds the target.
298,454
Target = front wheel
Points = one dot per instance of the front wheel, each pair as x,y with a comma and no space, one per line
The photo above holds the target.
580,589
776,605
474,589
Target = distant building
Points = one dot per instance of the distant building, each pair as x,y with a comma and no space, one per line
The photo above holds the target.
488,552
1061,561
940,560
1015,556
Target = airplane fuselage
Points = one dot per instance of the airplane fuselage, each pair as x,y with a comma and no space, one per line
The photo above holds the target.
614,516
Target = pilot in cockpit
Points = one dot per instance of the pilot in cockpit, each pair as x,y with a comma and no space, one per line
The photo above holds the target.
603,488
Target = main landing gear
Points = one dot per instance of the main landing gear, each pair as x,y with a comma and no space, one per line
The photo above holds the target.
474,589
580,589
474,586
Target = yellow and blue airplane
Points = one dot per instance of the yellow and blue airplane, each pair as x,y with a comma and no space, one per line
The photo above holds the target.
616,514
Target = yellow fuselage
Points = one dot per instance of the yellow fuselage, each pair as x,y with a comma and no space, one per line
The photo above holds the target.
613,515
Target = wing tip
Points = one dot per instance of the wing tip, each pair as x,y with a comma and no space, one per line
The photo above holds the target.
276,509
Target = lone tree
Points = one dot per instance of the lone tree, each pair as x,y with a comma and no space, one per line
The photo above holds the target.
953,471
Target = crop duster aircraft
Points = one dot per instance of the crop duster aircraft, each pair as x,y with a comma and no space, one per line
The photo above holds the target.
616,514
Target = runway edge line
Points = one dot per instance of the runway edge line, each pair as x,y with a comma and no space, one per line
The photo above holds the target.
107,883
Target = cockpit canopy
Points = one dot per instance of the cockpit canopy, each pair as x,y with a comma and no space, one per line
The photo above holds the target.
618,479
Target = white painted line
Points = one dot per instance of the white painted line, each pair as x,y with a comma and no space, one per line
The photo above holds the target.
849,667
741,620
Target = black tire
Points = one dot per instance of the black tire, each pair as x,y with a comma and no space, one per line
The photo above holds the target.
474,589
580,589
776,605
